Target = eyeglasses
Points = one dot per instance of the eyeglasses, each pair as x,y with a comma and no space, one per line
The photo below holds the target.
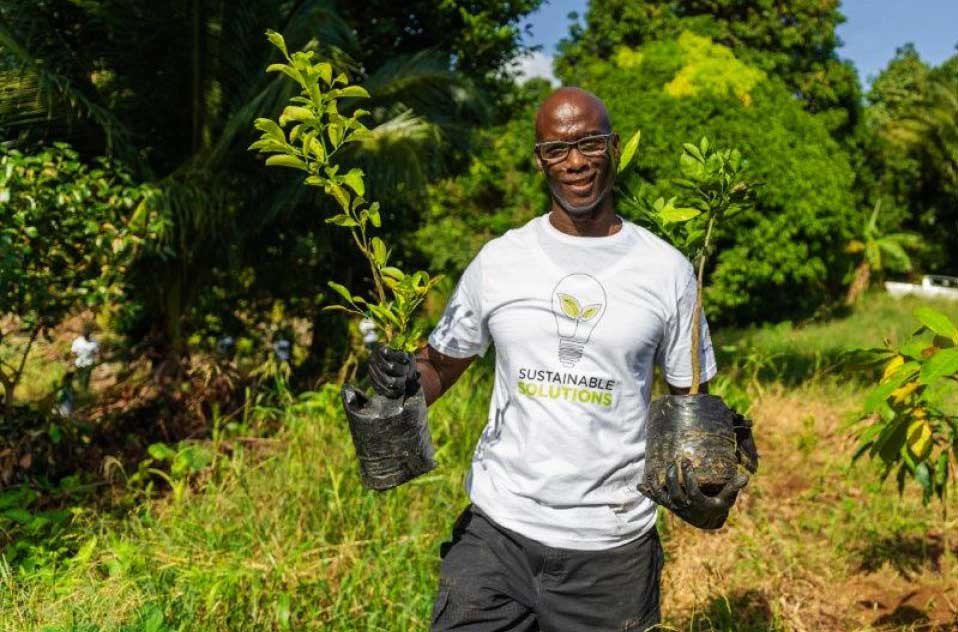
555,151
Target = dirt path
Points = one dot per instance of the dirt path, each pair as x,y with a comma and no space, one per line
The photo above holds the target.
813,544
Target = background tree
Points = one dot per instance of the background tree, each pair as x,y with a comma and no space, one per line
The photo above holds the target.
879,251
785,256
67,233
794,40
479,38
179,113
912,116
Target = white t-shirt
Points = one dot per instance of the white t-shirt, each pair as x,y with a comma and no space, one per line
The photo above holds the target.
578,324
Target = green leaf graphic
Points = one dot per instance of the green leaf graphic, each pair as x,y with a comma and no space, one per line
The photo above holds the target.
570,306
590,311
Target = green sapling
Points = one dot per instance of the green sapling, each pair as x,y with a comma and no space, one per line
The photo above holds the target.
307,136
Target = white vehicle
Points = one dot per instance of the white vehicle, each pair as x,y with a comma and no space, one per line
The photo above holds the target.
933,286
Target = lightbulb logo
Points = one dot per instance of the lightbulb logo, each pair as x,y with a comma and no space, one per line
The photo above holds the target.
578,303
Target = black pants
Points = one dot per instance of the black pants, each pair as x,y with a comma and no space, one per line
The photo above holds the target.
493,579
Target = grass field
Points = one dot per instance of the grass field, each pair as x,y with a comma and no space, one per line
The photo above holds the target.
276,533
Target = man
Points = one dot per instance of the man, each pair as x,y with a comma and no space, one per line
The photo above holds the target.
86,351
580,306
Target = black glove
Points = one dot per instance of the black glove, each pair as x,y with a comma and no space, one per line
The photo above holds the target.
689,503
744,443
393,373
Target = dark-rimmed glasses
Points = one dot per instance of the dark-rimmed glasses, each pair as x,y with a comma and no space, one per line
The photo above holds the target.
555,151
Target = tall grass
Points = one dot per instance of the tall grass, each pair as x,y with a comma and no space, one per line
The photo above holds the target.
278,533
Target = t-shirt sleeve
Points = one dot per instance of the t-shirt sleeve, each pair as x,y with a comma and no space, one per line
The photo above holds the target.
675,349
462,331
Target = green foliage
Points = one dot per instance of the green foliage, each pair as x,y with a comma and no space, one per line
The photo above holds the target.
879,251
478,38
711,69
794,41
32,536
912,414
86,72
713,191
317,131
68,232
500,189
270,537
784,257
913,115
884,250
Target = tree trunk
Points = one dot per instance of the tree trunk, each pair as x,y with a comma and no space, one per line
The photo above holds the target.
860,282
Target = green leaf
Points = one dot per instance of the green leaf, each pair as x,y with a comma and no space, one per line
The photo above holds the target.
285,160
883,391
589,311
937,322
694,152
342,308
374,216
342,220
341,290
277,41
339,194
317,149
18,515
268,145
943,364
692,168
270,128
355,181
919,438
335,133
161,451
941,469
354,91
394,273
891,440
628,152
672,215
325,72
295,113
379,251
570,306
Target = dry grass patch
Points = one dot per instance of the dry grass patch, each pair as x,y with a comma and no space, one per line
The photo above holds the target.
814,544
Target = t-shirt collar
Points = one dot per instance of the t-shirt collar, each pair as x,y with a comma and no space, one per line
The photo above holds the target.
552,232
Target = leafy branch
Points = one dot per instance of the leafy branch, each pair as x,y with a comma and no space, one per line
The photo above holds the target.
713,191
910,425
316,133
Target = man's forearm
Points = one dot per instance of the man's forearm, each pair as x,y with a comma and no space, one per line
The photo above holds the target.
438,372
429,378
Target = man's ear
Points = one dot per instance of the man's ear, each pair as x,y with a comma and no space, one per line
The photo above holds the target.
615,146
541,167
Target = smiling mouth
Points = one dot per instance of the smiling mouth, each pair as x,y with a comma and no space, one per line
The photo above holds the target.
581,186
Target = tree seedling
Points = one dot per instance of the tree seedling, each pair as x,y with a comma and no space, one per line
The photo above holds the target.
307,136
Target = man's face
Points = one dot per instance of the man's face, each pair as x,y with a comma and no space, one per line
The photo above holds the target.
583,179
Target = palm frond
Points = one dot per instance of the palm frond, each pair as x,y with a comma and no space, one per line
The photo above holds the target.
398,154
426,83
41,82
930,128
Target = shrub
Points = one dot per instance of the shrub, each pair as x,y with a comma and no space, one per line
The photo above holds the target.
784,257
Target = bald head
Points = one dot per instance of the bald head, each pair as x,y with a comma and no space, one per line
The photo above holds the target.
568,106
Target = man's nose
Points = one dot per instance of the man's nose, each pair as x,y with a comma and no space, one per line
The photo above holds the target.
575,161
